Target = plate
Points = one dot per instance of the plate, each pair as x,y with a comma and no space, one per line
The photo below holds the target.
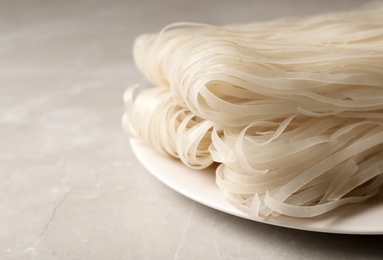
200,186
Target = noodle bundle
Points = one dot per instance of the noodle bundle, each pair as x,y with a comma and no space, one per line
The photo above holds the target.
291,109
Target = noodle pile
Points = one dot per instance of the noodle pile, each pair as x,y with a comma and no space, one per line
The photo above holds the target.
291,109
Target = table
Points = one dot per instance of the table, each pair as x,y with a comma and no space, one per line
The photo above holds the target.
70,185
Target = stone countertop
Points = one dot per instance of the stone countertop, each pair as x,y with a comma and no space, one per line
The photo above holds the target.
70,186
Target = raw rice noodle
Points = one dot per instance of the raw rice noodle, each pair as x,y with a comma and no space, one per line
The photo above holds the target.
291,110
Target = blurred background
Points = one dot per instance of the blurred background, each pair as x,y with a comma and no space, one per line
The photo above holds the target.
70,186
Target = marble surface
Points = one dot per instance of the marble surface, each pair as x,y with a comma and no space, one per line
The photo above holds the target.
70,186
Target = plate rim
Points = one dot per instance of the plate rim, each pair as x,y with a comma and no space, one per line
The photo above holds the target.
316,224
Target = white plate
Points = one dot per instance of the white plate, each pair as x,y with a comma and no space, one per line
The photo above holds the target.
363,218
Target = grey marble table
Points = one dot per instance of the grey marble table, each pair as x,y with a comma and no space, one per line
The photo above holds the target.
70,186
